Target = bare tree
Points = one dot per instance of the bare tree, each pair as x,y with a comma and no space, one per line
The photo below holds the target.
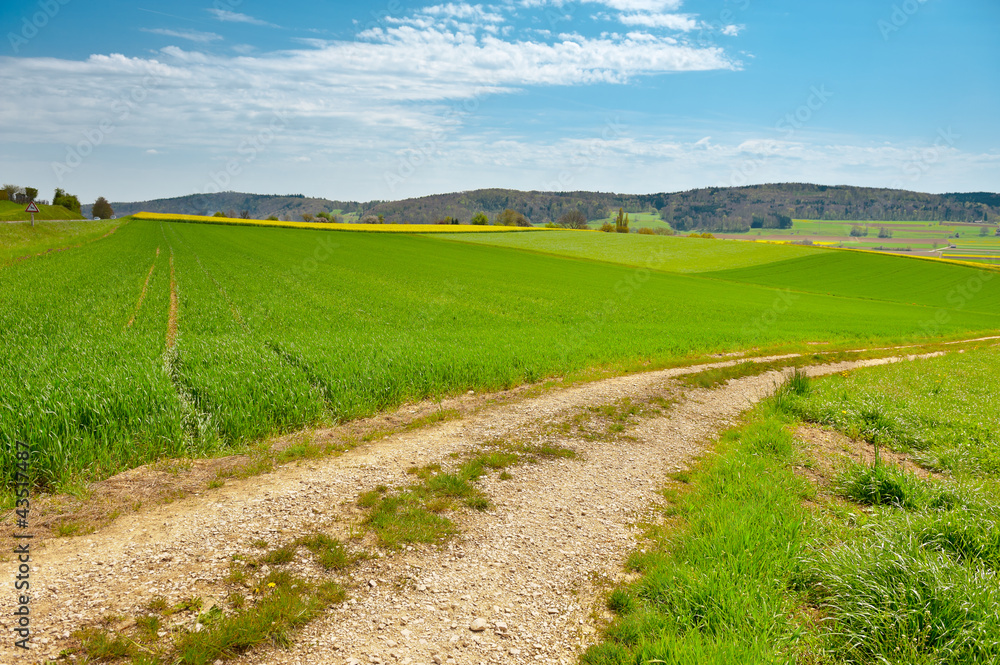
574,219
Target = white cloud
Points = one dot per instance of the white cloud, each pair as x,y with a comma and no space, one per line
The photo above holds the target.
640,5
463,11
620,5
235,17
190,35
400,84
683,22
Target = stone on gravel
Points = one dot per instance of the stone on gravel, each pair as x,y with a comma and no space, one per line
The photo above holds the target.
478,625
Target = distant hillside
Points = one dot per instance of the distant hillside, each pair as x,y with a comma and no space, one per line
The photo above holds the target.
732,209
716,209
259,206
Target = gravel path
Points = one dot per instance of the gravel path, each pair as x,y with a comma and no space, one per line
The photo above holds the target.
533,567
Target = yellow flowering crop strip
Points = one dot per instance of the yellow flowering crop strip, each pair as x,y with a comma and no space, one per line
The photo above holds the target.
324,226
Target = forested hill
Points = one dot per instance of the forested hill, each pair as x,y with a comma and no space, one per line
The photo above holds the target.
717,209
710,209
257,206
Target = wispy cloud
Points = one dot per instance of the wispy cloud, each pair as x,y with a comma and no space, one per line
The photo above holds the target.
620,5
190,35
682,22
235,17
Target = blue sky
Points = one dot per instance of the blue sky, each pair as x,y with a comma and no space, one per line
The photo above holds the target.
386,100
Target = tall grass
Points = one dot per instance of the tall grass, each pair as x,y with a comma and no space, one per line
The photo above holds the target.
746,573
918,581
717,591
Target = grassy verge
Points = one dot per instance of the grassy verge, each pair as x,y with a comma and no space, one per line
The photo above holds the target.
754,564
714,581
21,239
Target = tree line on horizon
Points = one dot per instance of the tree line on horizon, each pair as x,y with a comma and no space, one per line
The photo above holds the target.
25,195
727,209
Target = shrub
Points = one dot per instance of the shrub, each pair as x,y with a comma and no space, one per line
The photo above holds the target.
480,219
646,232
608,227
511,218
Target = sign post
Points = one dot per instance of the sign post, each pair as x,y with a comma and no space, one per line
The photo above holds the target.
32,208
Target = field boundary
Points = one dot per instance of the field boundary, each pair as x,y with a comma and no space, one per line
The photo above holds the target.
331,226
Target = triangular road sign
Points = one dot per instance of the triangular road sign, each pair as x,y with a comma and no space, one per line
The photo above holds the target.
31,207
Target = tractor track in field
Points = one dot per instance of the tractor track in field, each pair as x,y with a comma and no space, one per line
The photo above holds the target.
142,295
534,566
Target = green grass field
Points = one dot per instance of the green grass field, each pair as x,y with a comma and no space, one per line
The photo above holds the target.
20,239
755,564
276,329
667,253
10,211
878,277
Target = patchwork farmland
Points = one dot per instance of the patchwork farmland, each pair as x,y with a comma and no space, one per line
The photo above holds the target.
397,392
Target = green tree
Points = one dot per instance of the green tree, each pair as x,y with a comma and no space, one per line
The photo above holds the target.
480,219
102,208
219,213
31,193
621,221
68,201
306,217
11,190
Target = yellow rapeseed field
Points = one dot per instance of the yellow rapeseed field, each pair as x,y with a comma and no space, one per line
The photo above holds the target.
377,228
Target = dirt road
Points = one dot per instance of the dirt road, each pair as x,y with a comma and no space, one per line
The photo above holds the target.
533,567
